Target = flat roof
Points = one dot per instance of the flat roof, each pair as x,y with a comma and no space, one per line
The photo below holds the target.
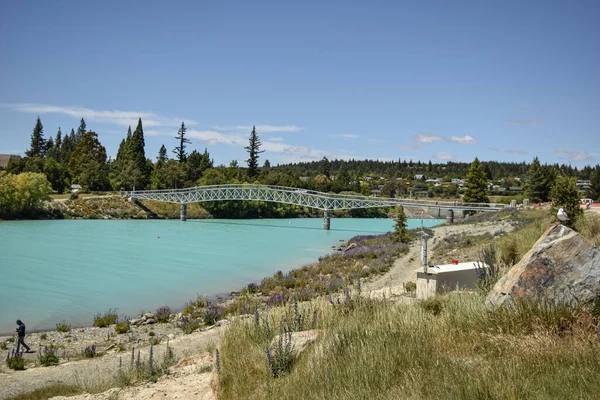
443,268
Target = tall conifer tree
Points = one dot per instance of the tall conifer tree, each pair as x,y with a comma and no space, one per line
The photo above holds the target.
179,151
38,143
476,184
253,149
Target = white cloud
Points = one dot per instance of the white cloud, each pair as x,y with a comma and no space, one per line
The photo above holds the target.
443,156
407,148
214,137
574,155
515,152
522,121
494,149
427,138
276,139
261,128
346,136
463,140
116,117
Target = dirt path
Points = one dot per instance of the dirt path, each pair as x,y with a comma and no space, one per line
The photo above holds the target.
391,285
97,372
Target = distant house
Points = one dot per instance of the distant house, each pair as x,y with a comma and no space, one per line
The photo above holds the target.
515,188
75,188
419,177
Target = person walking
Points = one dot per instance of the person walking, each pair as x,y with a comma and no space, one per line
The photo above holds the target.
21,333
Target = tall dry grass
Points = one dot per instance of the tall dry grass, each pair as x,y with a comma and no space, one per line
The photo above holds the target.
382,350
448,347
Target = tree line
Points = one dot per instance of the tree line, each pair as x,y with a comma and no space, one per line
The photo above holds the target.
80,158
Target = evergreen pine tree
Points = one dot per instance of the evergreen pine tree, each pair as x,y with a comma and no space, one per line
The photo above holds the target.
593,191
179,151
162,154
476,184
325,167
88,163
539,182
137,156
253,149
267,164
400,232
58,145
565,195
38,143
80,131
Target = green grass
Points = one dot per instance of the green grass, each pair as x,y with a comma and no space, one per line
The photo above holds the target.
48,392
451,347
447,347
110,317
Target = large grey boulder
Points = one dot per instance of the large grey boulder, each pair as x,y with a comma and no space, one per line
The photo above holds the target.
562,268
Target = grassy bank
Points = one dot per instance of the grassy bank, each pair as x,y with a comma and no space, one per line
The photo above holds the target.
447,347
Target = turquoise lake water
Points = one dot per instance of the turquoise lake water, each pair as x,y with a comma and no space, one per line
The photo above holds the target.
53,271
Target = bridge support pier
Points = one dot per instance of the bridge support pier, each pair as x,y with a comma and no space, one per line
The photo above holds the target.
183,212
327,220
450,216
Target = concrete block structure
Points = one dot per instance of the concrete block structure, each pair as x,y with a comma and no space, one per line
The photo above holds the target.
447,277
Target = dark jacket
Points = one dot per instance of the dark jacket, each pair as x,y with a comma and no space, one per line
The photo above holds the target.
21,330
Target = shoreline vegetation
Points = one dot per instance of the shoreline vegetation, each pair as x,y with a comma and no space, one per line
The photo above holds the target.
537,352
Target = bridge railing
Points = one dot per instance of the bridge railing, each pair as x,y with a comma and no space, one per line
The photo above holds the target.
329,196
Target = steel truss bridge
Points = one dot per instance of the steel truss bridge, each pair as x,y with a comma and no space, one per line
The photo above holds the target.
301,197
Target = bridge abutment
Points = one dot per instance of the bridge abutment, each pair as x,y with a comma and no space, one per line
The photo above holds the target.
327,220
183,212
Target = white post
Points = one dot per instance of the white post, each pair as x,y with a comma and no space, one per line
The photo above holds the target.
424,237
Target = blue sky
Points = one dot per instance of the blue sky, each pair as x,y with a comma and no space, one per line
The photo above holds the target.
420,80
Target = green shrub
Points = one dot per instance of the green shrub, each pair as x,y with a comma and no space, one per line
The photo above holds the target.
151,333
122,327
434,305
410,287
43,336
11,340
163,314
189,325
110,317
154,341
90,351
3,346
16,363
48,359
63,327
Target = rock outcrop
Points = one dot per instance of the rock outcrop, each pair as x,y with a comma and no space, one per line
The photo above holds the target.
562,268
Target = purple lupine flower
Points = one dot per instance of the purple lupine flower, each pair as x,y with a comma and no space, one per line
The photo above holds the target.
330,300
150,360
120,362
138,364
132,355
256,316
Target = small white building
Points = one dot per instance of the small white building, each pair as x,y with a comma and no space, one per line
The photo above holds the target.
75,188
447,277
